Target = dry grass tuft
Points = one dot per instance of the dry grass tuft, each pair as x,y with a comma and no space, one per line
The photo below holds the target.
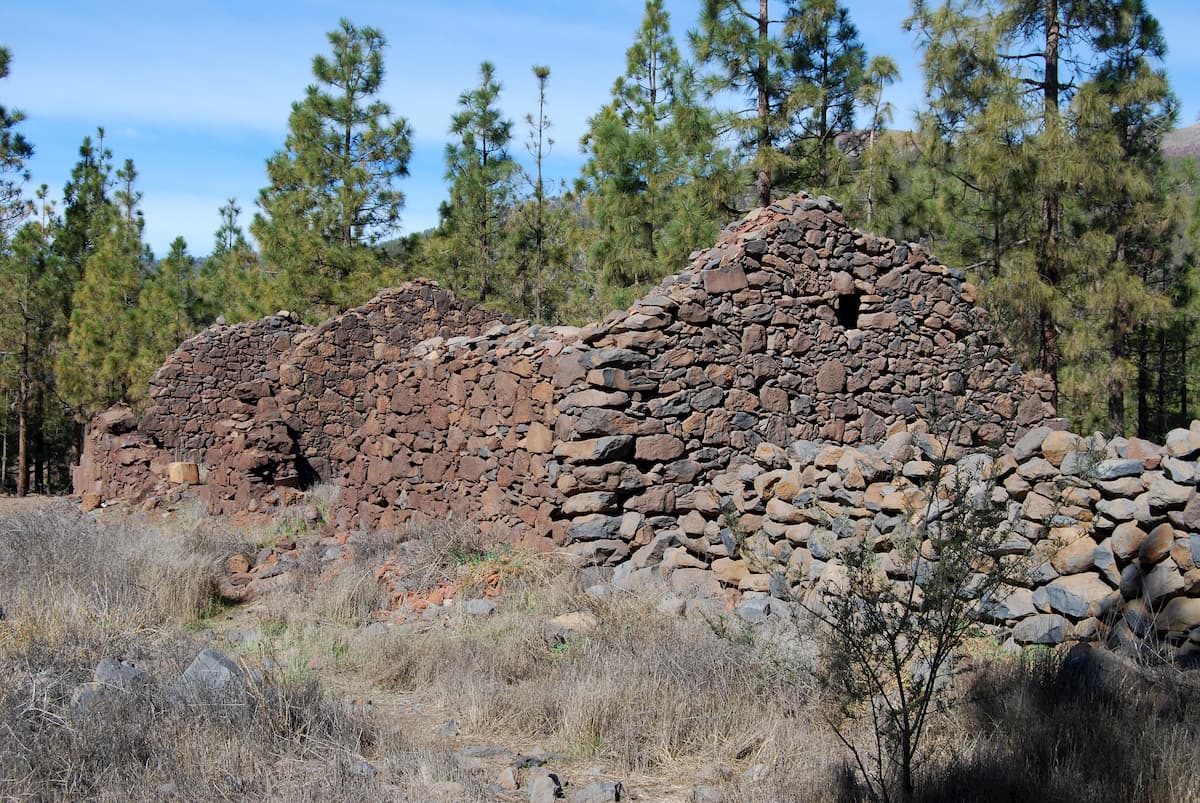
138,744
641,690
1038,727
76,589
665,702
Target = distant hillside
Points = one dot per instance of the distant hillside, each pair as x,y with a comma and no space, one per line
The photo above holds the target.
1182,142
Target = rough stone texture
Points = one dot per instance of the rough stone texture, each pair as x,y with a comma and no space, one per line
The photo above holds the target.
217,380
259,405
321,379
792,326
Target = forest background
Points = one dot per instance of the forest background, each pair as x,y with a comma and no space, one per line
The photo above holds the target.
1042,156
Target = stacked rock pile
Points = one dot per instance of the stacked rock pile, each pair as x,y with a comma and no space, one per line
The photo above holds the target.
1107,533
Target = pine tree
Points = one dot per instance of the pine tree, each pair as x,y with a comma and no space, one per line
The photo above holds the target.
94,369
827,74
31,286
1044,120
468,246
85,200
656,179
331,189
999,80
161,318
230,283
1121,115
876,179
14,150
539,226
750,60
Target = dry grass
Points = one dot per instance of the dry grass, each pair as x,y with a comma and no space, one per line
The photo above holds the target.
75,589
138,745
61,570
1036,727
641,692
666,703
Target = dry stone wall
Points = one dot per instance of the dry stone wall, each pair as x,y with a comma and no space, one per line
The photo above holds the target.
793,326
1104,534
259,405
220,372
465,427
215,382
321,386
723,438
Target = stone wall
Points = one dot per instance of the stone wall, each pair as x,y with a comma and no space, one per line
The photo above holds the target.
799,389
1104,534
791,326
321,379
222,371
116,461
221,376
777,401
463,428
259,405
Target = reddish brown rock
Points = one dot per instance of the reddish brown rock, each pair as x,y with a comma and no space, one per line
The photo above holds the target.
723,280
658,448
831,378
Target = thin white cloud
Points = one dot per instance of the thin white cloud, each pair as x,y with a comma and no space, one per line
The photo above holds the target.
178,82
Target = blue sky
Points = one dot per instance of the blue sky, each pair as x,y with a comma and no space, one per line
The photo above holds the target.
198,93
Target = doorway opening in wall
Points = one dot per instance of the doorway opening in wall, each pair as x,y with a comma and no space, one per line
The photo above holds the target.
847,310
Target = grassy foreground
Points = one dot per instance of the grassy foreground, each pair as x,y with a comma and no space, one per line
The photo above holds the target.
458,704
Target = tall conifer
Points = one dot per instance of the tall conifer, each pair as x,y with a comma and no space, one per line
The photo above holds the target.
539,225
332,188
827,71
14,150
481,173
161,318
743,46
656,180
94,369
230,283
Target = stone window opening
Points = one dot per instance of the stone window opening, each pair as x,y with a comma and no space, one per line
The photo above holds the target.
847,310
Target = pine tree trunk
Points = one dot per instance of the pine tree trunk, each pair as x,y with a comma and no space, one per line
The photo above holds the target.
1161,396
1049,249
41,459
822,144
1118,348
1183,375
764,108
1143,384
23,439
1116,401
348,223
23,410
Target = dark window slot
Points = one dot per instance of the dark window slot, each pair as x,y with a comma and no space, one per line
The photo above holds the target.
847,310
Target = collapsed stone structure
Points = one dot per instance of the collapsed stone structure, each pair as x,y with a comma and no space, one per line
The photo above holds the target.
1105,533
260,405
631,437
